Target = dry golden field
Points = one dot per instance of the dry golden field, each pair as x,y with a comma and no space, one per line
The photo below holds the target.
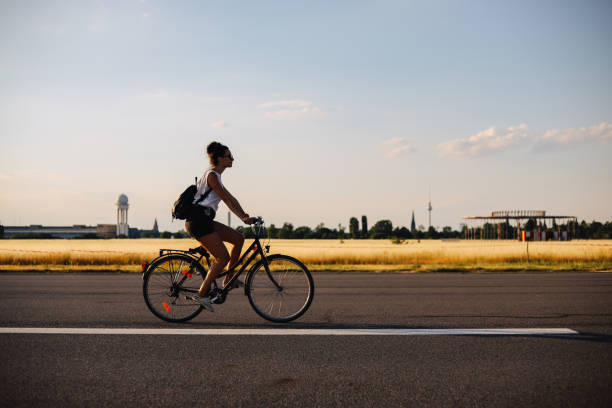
376,255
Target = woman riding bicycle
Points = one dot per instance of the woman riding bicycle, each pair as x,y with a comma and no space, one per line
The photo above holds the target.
211,234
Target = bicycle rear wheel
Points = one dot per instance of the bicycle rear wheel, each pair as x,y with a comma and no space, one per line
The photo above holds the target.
285,293
168,283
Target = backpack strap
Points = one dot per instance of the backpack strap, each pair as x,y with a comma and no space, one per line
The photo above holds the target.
203,197
208,190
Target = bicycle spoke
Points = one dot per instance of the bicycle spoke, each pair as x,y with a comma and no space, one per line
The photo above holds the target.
164,296
284,293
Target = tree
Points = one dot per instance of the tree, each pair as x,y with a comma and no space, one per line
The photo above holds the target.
165,234
432,233
341,229
272,231
382,229
321,232
530,225
402,233
364,226
181,234
302,232
246,231
286,231
596,230
354,227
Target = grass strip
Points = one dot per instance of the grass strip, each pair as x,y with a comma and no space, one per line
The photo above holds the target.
604,266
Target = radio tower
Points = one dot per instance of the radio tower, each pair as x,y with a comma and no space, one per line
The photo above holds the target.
429,207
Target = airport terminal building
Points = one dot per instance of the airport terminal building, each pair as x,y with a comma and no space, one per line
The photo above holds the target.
74,231
121,228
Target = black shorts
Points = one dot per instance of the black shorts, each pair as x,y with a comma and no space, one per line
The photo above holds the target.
200,222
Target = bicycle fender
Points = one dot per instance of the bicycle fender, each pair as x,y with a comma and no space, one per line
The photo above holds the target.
152,261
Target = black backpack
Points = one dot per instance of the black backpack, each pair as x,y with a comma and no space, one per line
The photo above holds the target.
184,206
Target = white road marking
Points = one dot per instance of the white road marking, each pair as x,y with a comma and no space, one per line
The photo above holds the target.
292,332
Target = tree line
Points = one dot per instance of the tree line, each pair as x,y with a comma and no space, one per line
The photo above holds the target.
593,230
382,229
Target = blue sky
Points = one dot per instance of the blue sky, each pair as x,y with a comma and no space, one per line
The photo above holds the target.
331,110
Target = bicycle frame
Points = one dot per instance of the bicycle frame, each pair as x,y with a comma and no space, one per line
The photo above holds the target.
252,252
256,249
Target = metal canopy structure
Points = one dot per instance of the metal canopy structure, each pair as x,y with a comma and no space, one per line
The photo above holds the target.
497,226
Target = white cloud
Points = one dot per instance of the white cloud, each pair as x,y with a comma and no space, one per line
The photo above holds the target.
219,124
294,103
394,141
398,146
400,150
292,113
568,137
488,141
293,108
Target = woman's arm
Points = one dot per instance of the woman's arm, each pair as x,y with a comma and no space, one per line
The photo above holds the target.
227,198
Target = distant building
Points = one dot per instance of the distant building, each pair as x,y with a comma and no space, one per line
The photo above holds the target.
74,231
107,230
530,225
122,216
412,223
134,233
121,228
152,233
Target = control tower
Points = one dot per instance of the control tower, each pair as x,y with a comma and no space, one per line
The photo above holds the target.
122,215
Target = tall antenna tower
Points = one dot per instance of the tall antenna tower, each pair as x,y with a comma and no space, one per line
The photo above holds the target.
429,207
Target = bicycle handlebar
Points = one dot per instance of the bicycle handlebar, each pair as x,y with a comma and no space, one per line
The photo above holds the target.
258,223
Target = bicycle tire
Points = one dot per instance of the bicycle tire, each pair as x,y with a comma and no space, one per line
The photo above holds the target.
287,302
164,296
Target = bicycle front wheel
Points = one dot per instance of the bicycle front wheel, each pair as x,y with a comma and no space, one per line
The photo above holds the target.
281,293
169,283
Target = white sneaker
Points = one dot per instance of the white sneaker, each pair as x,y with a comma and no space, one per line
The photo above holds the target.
204,302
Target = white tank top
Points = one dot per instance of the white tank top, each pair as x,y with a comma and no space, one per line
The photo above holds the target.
212,200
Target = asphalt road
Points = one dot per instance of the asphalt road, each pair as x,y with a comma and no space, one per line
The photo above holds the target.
161,370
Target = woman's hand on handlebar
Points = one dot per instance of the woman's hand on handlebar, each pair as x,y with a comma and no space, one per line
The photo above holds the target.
249,220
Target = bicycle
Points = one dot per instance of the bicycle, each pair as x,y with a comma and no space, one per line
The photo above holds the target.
279,287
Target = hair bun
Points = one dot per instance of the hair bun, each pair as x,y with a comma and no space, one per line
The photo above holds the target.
213,147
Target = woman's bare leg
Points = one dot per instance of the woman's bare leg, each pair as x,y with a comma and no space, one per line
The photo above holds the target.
213,243
235,238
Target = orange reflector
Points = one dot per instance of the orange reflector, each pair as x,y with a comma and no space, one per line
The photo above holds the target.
166,307
144,267
187,274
